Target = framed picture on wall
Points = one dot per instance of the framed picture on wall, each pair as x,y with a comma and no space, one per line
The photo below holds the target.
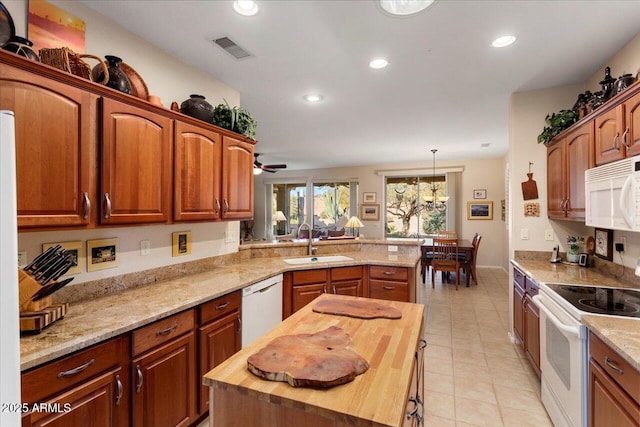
369,197
77,254
604,244
370,212
480,194
479,210
102,254
181,243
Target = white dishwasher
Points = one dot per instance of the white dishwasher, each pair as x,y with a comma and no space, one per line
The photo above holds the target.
261,308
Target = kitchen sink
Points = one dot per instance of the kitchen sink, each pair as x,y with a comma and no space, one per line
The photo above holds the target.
314,259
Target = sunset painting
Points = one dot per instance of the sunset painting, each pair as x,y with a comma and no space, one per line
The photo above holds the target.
52,27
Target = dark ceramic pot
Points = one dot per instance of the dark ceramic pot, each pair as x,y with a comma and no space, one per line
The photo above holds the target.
118,80
22,47
624,81
197,107
607,84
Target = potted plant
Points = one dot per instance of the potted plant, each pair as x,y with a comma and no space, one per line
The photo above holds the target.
235,119
557,122
574,248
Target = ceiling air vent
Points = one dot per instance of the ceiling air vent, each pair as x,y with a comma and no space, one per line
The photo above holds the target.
232,48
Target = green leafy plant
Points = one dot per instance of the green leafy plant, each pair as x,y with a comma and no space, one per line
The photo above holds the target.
235,119
557,122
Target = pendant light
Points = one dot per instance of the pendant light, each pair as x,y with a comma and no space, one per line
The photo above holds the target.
433,203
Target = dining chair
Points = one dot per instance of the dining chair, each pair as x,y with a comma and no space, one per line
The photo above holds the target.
469,265
445,258
427,253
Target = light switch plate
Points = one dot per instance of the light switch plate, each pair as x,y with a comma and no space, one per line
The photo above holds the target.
548,234
392,248
524,234
145,247
22,258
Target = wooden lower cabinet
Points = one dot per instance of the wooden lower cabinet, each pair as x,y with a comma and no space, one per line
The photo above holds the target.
301,287
518,305
392,283
347,281
532,333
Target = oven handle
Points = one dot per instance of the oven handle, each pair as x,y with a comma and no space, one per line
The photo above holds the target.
558,324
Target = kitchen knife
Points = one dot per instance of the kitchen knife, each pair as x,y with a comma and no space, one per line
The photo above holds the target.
46,263
40,257
52,268
49,289
57,273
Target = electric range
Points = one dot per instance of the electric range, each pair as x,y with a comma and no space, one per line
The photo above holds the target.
580,300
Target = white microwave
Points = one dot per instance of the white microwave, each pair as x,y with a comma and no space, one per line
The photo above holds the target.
612,194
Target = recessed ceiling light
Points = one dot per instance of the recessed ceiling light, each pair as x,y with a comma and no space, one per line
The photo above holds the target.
404,7
245,7
313,97
378,63
503,41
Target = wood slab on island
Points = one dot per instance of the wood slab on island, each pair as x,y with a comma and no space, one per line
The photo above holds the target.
322,359
360,308
377,398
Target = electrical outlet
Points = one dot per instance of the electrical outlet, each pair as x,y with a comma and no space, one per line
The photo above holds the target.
524,234
145,247
392,248
22,258
548,234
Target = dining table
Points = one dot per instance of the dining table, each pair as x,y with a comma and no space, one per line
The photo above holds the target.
465,247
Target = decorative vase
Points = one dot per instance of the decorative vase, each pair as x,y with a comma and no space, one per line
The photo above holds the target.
572,257
607,84
198,108
22,47
624,81
118,80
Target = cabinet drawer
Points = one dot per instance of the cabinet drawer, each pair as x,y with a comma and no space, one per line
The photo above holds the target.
518,277
346,273
387,290
162,331
310,276
389,273
54,377
219,307
618,368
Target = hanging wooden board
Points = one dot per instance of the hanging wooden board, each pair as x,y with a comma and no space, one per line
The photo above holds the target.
529,188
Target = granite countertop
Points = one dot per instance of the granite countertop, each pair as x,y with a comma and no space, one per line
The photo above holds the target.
620,333
95,320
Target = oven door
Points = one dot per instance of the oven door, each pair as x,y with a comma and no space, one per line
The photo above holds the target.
563,362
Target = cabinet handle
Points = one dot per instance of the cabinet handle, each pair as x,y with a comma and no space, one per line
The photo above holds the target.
324,289
222,306
87,205
167,331
333,289
613,366
140,379
389,288
217,206
422,345
389,273
615,142
76,370
120,390
567,205
226,206
107,206
624,138
239,324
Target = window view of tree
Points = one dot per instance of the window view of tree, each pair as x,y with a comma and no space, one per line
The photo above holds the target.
330,204
289,198
407,199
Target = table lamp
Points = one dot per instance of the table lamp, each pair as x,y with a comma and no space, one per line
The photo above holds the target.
354,223
279,218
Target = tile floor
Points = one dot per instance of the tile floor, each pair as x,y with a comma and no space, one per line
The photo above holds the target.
474,375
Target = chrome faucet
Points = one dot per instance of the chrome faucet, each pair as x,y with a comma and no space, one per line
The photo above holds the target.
312,249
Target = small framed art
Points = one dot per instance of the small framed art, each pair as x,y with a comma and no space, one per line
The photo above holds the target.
102,254
181,243
479,210
370,212
604,244
480,194
369,197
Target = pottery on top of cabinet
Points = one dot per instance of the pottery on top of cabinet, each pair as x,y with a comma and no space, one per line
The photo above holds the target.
607,84
22,47
197,107
624,81
118,80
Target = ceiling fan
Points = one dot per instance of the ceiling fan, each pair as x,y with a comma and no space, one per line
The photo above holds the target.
259,167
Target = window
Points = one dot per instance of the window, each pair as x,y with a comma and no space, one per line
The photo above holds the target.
331,203
289,199
407,201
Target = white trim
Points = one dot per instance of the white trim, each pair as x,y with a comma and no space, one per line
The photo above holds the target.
306,180
426,171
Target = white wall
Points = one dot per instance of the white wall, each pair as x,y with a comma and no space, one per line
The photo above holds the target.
478,174
170,79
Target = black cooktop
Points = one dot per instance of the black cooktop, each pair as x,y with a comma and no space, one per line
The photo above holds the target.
598,300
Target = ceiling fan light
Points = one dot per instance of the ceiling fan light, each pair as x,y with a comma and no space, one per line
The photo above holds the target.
245,7
257,171
404,7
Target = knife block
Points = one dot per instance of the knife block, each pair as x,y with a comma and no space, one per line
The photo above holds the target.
28,286
36,315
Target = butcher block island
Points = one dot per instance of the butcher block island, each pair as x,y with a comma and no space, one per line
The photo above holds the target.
389,393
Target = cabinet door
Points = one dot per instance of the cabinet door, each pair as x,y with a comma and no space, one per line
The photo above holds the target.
164,385
579,158
347,287
197,154
102,401
304,294
218,341
632,120
556,180
136,165
532,333
55,130
518,310
609,405
237,179
389,290
608,136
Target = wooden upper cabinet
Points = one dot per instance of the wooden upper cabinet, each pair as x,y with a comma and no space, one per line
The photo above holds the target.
197,157
56,137
237,179
136,165
609,127
632,130
555,180
579,158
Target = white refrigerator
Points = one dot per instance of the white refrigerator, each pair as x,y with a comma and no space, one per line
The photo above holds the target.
9,317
